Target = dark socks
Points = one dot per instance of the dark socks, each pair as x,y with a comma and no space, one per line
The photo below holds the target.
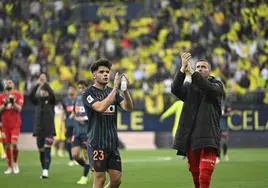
224,149
81,162
9,156
42,158
15,154
69,150
86,170
47,158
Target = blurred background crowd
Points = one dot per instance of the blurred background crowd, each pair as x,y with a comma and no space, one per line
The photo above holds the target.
50,36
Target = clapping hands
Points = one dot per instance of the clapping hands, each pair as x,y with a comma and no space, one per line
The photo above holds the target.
117,81
186,59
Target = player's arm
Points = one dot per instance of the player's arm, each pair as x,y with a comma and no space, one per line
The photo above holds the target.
90,100
81,118
64,114
2,104
2,107
177,87
17,105
211,88
228,111
73,115
32,94
101,106
127,103
52,98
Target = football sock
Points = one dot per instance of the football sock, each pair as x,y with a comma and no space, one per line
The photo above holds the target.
81,162
42,158
47,158
8,152
15,153
86,170
69,150
224,149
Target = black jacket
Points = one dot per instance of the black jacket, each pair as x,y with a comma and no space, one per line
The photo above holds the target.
199,121
44,111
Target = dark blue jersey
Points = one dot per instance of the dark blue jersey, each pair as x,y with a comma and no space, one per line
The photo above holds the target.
79,111
226,109
102,125
68,106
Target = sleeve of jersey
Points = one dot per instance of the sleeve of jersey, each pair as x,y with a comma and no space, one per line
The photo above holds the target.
74,103
20,99
1,99
119,98
52,97
89,98
212,88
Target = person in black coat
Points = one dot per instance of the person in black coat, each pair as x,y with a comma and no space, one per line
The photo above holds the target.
42,96
198,134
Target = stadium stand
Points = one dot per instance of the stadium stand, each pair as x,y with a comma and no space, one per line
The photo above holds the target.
38,36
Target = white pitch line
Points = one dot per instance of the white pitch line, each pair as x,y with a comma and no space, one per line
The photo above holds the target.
137,160
142,160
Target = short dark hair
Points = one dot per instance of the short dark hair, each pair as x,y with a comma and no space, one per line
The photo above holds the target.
10,78
209,64
45,73
101,62
13,80
82,82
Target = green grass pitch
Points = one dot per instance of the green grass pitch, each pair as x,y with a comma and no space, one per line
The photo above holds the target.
247,168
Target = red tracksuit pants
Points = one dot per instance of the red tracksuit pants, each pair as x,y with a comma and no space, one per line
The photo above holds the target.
201,165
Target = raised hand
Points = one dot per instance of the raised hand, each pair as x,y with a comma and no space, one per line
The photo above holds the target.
117,81
189,69
40,82
185,59
124,83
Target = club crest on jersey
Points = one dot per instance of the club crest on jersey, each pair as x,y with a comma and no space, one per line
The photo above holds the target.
110,110
90,99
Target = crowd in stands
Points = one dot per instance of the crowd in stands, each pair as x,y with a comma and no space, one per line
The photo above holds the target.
46,36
